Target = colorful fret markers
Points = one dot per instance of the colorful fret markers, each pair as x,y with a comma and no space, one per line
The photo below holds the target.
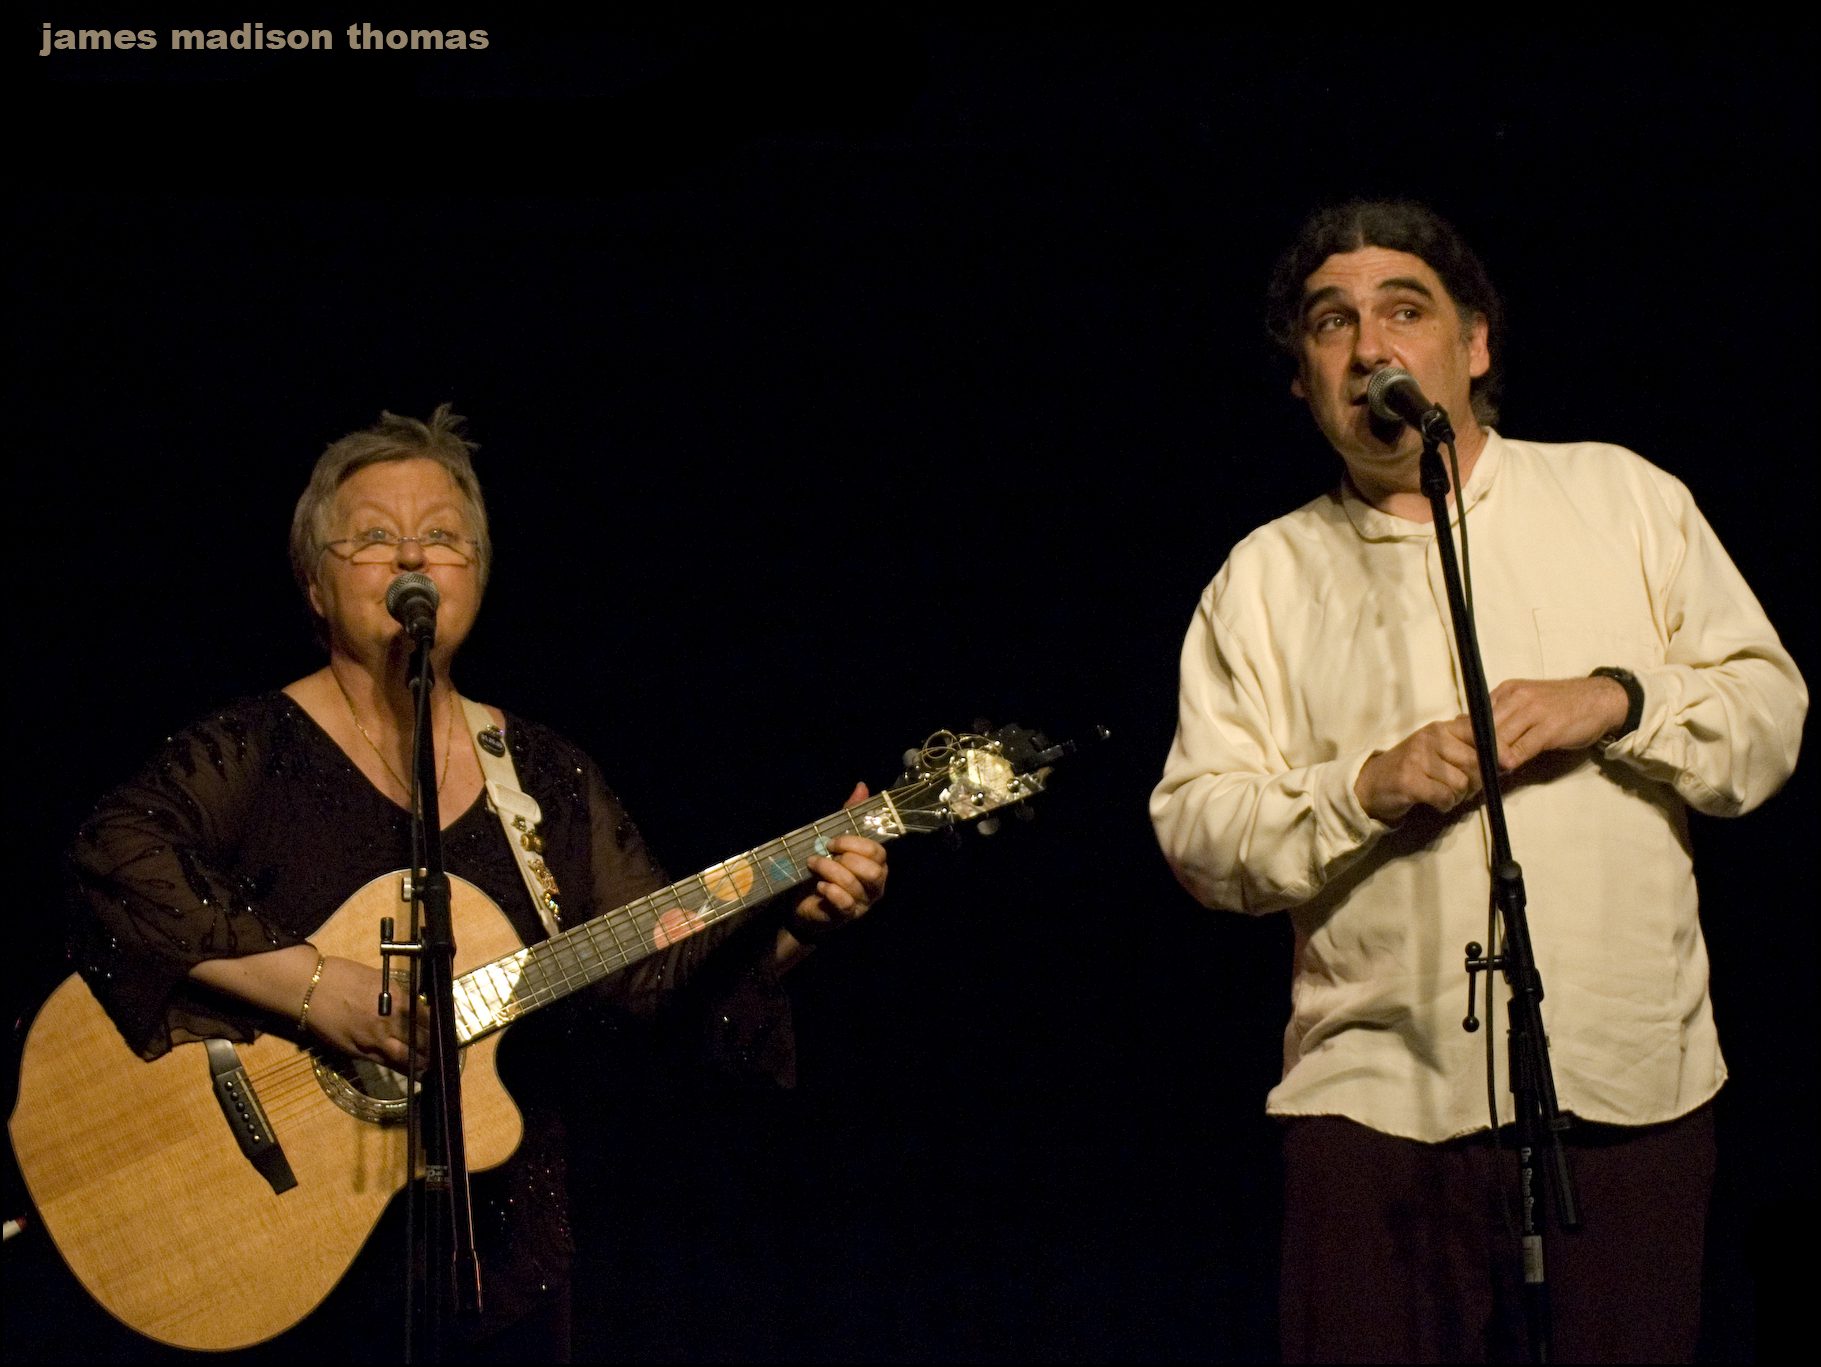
676,924
729,882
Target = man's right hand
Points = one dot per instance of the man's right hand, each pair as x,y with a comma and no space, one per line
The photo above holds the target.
1433,767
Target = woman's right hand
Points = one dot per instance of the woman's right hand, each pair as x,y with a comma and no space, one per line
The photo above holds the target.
343,1010
344,1014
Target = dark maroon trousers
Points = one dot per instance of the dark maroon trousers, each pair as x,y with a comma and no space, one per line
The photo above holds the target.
1396,1251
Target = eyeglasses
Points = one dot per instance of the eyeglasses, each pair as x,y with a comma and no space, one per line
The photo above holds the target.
377,546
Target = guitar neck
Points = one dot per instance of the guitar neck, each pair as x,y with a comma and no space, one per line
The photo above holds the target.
496,994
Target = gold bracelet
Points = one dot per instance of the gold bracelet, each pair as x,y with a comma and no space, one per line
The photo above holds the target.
303,1016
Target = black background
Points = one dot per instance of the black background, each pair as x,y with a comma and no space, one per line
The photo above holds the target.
838,382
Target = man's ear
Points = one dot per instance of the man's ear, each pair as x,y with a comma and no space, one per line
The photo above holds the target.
1297,388
1479,350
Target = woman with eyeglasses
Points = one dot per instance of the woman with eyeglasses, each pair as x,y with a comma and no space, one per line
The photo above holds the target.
199,883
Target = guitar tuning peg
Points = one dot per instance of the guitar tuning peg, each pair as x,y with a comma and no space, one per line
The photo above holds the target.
1025,812
982,726
951,838
988,825
912,757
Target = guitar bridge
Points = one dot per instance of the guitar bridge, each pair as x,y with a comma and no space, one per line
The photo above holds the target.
246,1117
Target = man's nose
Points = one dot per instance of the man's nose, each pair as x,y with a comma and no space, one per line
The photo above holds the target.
1372,346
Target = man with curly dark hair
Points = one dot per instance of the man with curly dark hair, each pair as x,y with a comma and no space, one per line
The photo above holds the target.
1324,765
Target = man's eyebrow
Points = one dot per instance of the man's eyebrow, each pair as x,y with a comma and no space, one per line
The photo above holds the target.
1322,296
1407,282
1333,293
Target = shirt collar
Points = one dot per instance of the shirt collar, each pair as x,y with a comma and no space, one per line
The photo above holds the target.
1374,524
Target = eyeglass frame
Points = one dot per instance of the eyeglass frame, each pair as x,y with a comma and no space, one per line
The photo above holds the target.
392,542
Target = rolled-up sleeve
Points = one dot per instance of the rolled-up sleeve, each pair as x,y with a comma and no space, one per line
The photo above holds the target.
1722,718
1241,827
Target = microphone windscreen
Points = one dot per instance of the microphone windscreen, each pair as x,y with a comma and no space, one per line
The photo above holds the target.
412,584
1378,391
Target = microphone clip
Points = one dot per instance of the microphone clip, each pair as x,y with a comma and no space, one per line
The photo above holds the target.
1394,396
1435,427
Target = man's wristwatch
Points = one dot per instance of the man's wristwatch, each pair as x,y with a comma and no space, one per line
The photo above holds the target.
1634,699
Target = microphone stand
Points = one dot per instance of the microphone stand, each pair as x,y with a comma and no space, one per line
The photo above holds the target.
433,1119
1539,1120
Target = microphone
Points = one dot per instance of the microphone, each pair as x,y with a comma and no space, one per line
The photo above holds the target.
1394,395
412,600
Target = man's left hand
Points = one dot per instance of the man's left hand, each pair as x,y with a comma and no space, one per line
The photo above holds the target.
1533,716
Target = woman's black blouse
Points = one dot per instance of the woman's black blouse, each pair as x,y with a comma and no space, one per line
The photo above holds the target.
250,828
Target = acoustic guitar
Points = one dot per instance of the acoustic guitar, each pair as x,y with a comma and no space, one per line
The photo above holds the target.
211,1198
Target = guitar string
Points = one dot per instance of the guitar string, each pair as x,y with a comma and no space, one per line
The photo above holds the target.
643,917
293,1079
295,1076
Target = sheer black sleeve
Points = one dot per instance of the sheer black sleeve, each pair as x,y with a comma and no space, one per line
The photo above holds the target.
152,890
716,993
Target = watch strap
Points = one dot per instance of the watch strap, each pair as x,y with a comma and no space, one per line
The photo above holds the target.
1634,698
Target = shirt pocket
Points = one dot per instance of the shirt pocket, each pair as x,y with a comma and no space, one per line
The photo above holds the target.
1575,641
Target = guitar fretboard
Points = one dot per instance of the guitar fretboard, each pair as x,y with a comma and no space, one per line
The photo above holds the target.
496,994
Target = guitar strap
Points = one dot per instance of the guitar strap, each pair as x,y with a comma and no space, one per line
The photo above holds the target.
517,810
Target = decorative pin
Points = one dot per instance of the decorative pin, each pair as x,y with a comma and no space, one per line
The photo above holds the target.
528,837
547,881
492,740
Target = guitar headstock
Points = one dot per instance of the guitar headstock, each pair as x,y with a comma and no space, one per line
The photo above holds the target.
964,776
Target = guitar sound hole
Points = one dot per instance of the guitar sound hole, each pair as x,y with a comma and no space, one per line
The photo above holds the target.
366,1090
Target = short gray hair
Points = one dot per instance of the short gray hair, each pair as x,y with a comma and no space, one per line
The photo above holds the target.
438,438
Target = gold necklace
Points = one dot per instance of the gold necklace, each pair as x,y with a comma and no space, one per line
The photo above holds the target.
448,733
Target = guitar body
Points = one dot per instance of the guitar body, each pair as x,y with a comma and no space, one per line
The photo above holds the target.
140,1182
